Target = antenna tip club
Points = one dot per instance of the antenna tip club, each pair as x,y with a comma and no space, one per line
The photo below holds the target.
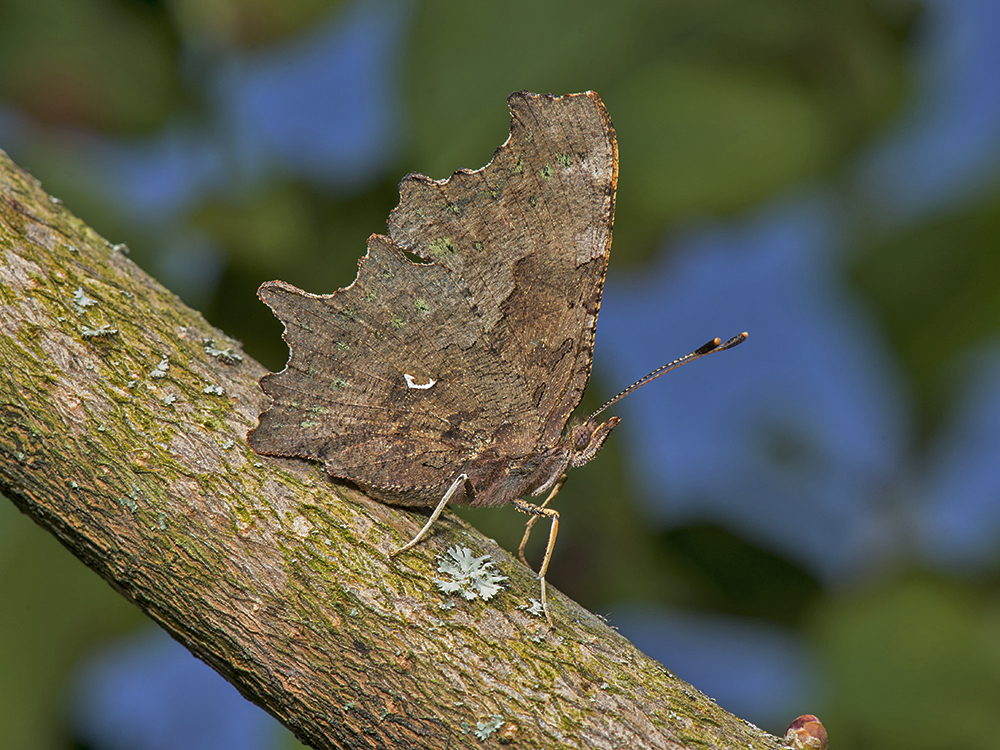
707,347
734,341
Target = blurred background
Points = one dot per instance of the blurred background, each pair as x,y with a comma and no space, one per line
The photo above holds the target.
807,524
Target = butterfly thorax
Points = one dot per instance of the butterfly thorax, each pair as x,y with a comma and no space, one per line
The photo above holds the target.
497,480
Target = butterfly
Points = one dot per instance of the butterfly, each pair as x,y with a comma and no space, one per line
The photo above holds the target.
448,371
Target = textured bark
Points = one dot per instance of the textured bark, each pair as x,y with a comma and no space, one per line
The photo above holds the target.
124,424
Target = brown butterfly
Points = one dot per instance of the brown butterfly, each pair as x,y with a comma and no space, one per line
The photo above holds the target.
447,372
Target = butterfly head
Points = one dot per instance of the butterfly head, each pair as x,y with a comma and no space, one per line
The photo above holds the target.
585,440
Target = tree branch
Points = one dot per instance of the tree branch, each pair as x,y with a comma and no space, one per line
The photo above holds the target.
124,417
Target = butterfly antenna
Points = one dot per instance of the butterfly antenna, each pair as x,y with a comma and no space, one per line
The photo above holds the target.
713,346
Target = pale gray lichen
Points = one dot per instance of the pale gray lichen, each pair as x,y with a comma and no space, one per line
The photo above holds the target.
81,300
213,390
485,728
227,355
97,333
160,371
533,607
130,501
469,576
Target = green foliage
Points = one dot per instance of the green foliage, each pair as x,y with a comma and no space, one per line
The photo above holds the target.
935,288
54,612
246,23
914,664
94,63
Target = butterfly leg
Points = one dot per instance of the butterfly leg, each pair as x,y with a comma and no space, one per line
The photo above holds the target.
541,510
434,516
534,518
